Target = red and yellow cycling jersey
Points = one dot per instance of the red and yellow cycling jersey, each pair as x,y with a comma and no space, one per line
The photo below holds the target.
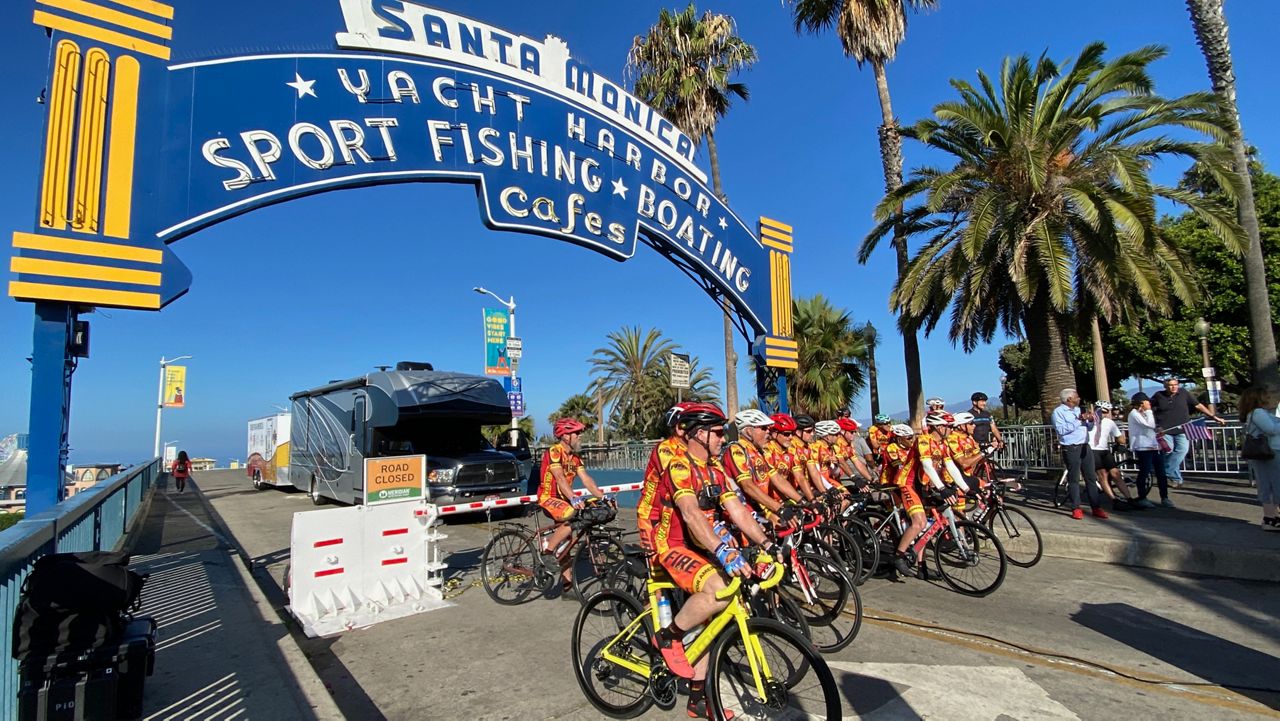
557,456
880,435
841,450
686,476
647,511
779,458
899,466
961,444
821,453
747,464
931,449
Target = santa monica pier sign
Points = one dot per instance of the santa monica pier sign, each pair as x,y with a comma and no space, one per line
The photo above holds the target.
145,146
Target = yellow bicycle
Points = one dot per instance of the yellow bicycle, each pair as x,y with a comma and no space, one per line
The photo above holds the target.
759,668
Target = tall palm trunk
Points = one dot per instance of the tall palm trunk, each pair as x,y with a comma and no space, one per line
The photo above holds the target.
1211,33
891,158
1100,384
1045,329
730,357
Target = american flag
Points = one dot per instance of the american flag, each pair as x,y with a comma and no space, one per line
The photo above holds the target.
1197,430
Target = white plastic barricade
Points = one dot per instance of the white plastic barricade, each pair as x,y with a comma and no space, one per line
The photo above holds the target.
353,567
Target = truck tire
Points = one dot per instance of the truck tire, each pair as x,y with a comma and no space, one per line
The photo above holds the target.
314,494
257,480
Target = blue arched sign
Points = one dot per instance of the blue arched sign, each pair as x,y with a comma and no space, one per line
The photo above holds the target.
147,143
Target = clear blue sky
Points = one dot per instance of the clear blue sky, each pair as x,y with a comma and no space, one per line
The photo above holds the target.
326,287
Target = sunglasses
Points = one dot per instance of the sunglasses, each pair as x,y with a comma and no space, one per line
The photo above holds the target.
715,431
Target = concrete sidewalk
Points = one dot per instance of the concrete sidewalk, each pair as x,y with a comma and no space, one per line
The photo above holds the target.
1213,531
220,653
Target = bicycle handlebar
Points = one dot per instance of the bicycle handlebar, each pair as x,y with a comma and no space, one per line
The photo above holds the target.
779,571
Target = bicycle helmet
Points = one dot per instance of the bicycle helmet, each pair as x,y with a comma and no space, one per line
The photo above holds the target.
978,396
805,422
847,424
565,426
673,413
902,430
701,415
936,404
962,419
783,422
1103,405
882,419
939,418
752,418
826,428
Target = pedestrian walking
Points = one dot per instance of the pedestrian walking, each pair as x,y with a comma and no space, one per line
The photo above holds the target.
1256,412
1173,407
1142,441
181,471
984,424
1073,435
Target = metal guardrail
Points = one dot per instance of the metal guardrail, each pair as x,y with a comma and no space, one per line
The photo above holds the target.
95,519
1036,448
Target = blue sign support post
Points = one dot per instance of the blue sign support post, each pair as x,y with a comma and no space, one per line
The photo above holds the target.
52,364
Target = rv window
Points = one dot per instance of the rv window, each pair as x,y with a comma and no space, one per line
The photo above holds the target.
434,437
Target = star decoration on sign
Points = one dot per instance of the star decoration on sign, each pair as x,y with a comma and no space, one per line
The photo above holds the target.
723,223
620,189
302,86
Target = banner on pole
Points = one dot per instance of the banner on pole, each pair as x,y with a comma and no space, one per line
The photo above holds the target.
497,324
175,386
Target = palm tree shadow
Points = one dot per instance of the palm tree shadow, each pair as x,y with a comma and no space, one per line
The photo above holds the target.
1247,671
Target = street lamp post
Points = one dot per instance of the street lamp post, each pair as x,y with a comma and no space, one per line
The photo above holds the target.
1202,330
510,305
160,396
869,332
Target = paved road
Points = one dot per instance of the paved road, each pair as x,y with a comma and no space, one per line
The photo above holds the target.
1064,640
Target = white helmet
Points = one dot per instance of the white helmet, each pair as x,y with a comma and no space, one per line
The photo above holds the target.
752,418
1103,405
935,404
939,418
902,430
962,418
826,428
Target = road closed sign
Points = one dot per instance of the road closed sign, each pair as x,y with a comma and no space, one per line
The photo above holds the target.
394,478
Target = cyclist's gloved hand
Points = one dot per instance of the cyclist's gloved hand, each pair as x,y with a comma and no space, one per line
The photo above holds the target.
731,561
577,502
722,532
789,513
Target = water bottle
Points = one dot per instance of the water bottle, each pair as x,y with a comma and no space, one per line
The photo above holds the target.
664,610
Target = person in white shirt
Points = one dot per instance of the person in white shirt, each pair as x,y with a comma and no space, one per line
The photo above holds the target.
1104,433
1142,441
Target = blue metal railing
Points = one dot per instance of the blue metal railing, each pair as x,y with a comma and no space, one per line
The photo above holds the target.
95,519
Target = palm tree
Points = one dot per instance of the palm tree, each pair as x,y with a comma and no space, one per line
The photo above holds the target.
833,358
579,406
683,68
870,31
632,377
1211,32
1049,211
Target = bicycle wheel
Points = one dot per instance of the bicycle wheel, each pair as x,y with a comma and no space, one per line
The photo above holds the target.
867,543
887,534
847,548
827,599
797,683
780,607
1018,536
974,566
1060,491
509,568
614,690
596,557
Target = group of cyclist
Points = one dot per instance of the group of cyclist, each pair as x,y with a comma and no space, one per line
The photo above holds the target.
705,506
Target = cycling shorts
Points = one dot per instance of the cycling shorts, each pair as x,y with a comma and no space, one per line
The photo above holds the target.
558,509
1104,460
688,569
911,501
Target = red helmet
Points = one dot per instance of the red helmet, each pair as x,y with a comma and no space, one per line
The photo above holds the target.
565,426
673,413
847,424
783,423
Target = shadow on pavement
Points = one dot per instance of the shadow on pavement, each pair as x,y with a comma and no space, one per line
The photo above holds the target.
1246,671
865,694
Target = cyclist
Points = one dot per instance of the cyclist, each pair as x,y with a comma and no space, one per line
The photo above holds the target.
853,450
962,445
900,469
936,404
778,450
823,452
745,461
984,430
880,433
1101,436
938,426
560,465
659,458
696,500
806,471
